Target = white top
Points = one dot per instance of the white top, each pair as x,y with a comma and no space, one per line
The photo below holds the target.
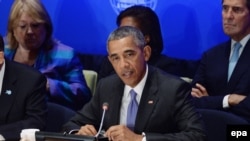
243,42
2,69
126,97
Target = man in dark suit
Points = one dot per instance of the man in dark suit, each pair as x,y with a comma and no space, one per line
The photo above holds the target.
22,98
164,107
216,86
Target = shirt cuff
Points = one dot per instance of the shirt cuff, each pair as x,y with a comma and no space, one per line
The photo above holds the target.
2,138
144,137
225,102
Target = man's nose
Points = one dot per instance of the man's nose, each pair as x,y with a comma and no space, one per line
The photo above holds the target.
124,62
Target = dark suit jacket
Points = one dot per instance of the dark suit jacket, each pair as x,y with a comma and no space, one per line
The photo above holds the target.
170,112
22,100
212,74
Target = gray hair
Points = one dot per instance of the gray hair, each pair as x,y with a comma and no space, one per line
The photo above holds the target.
125,31
247,4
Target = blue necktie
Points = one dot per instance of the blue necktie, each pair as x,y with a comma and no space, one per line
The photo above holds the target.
234,58
132,110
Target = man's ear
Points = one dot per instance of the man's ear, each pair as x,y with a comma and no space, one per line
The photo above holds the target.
147,52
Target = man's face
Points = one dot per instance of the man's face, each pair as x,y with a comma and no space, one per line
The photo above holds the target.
128,60
29,33
236,19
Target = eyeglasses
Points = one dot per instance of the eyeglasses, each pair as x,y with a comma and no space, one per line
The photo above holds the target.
33,26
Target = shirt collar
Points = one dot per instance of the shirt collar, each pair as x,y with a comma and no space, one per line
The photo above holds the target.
139,87
243,41
1,75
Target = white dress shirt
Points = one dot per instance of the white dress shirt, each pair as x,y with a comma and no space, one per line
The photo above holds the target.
2,69
1,83
126,99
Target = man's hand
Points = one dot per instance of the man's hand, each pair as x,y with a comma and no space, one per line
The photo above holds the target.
199,91
235,99
88,130
122,133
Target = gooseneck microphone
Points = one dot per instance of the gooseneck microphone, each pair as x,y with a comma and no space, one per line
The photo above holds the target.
104,108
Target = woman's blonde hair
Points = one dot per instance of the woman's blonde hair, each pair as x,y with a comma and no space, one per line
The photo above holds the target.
37,11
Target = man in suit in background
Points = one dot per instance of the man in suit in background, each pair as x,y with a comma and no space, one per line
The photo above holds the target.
223,78
164,109
22,98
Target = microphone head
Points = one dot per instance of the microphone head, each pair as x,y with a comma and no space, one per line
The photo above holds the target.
105,106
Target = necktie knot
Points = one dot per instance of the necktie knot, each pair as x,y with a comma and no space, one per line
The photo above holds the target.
234,58
132,94
235,54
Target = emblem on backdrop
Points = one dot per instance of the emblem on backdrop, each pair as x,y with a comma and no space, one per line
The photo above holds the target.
119,5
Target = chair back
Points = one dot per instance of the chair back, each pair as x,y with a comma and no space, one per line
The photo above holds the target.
91,79
57,116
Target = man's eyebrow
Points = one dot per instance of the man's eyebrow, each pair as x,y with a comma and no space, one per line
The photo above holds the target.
112,55
128,51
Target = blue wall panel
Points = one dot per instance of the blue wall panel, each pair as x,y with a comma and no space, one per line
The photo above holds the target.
189,27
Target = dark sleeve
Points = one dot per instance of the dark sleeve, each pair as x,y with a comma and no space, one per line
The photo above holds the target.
213,101
242,108
35,108
187,121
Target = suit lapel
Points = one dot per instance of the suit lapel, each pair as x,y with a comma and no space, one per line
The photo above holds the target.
8,91
241,67
113,114
147,103
225,61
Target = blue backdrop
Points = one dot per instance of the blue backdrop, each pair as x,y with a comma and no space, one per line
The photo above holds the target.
189,27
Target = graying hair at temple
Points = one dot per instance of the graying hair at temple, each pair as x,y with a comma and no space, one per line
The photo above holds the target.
247,4
126,31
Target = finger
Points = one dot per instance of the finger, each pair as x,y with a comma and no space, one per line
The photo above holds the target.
87,130
196,93
108,133
201,88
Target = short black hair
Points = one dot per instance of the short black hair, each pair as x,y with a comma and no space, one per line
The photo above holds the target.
149,24
1,43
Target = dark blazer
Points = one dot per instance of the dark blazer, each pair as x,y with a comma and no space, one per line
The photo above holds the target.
165,108
212,74
22,100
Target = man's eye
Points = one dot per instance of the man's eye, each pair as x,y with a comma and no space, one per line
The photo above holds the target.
237,9
225,8
114,58
129,54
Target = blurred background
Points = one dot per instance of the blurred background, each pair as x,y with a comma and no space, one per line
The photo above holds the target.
189,27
